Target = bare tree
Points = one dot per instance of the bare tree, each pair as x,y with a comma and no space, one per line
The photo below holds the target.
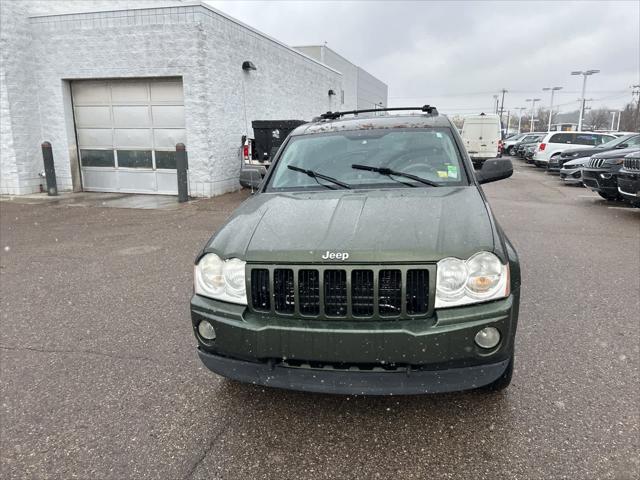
599,118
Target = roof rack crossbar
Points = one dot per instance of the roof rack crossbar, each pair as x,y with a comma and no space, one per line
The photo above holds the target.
334,115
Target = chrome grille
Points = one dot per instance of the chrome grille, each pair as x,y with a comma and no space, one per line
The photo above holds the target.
632,164
595,162
334,292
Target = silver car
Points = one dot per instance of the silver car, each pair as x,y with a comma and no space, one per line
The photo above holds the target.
571,171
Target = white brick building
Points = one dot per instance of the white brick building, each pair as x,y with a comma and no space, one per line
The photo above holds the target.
113,89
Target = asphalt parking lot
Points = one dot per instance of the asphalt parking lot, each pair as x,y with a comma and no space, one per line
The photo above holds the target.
100,379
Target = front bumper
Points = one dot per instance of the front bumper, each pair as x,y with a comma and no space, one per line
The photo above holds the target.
629,185
434,354
594,180
571,176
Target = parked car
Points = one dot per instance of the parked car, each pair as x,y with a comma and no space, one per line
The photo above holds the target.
626,141
482,137
301,290
527,140
600,174
571,171
528,151
558,142
508,145
629,179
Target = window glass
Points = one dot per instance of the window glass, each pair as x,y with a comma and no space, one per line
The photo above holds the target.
430,154
165,159
135,159
633,141
97,158
561,138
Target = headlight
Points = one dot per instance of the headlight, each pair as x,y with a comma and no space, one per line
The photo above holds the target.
615,161
220,279
480,278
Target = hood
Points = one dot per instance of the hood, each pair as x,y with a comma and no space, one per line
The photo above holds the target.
617,153
578,162
581,152
393,225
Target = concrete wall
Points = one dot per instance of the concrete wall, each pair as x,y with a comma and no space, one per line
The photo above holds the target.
202,46
371,91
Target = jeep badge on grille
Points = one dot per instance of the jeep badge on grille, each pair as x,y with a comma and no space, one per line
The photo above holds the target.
335,255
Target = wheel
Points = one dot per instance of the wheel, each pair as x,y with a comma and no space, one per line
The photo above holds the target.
511,151
503,380
608,196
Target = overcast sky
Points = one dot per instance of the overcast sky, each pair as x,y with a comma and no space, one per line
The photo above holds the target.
457,55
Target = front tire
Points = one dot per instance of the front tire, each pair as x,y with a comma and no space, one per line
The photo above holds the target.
503,381
511,151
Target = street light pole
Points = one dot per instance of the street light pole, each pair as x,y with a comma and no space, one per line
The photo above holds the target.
502,104
613,119
533,107
553,90
520,110
584,74
495,99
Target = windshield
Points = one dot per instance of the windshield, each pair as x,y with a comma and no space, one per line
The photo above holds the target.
416,158
629,139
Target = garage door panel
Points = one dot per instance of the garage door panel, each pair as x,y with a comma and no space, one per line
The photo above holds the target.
91,93
167,182
168,137
131,116
168,116
95,137
135,181
133,137
102,180
166,92
93,117
125,92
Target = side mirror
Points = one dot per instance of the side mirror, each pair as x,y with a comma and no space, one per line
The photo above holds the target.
622,145
493,170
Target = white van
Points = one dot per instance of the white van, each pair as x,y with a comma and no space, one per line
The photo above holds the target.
557,142
482,137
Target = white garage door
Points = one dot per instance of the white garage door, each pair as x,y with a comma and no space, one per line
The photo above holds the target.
127,131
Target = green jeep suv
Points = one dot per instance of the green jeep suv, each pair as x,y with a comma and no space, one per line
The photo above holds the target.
367,261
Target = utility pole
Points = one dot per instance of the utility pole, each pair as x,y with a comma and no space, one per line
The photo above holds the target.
520,110
584,74
495,99
553,90
533,107
502,104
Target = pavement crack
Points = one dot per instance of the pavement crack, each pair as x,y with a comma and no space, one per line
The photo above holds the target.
209,447
83,352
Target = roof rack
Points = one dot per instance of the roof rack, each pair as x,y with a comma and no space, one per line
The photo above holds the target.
334,115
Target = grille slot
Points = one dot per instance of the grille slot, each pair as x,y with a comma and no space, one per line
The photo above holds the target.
417,291
632,163
335,292
283,290
309,292
390,292
362,293
260,297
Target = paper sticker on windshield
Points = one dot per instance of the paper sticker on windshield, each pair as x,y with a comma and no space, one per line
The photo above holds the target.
442,174
452,171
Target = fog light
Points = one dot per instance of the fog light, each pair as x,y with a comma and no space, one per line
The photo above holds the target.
206,331
488,337
606,176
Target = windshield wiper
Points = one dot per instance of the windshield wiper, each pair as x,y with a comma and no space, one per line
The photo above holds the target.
315,175
388,171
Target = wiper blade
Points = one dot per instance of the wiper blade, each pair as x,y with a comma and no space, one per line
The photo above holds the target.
316,175
388,171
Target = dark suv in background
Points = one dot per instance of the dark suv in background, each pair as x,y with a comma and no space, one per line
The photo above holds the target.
626,141
629,179
600,174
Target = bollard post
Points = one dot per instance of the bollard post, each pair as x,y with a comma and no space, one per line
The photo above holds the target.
181,170
49,169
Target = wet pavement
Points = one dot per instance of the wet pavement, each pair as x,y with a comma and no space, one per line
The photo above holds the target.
99,377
